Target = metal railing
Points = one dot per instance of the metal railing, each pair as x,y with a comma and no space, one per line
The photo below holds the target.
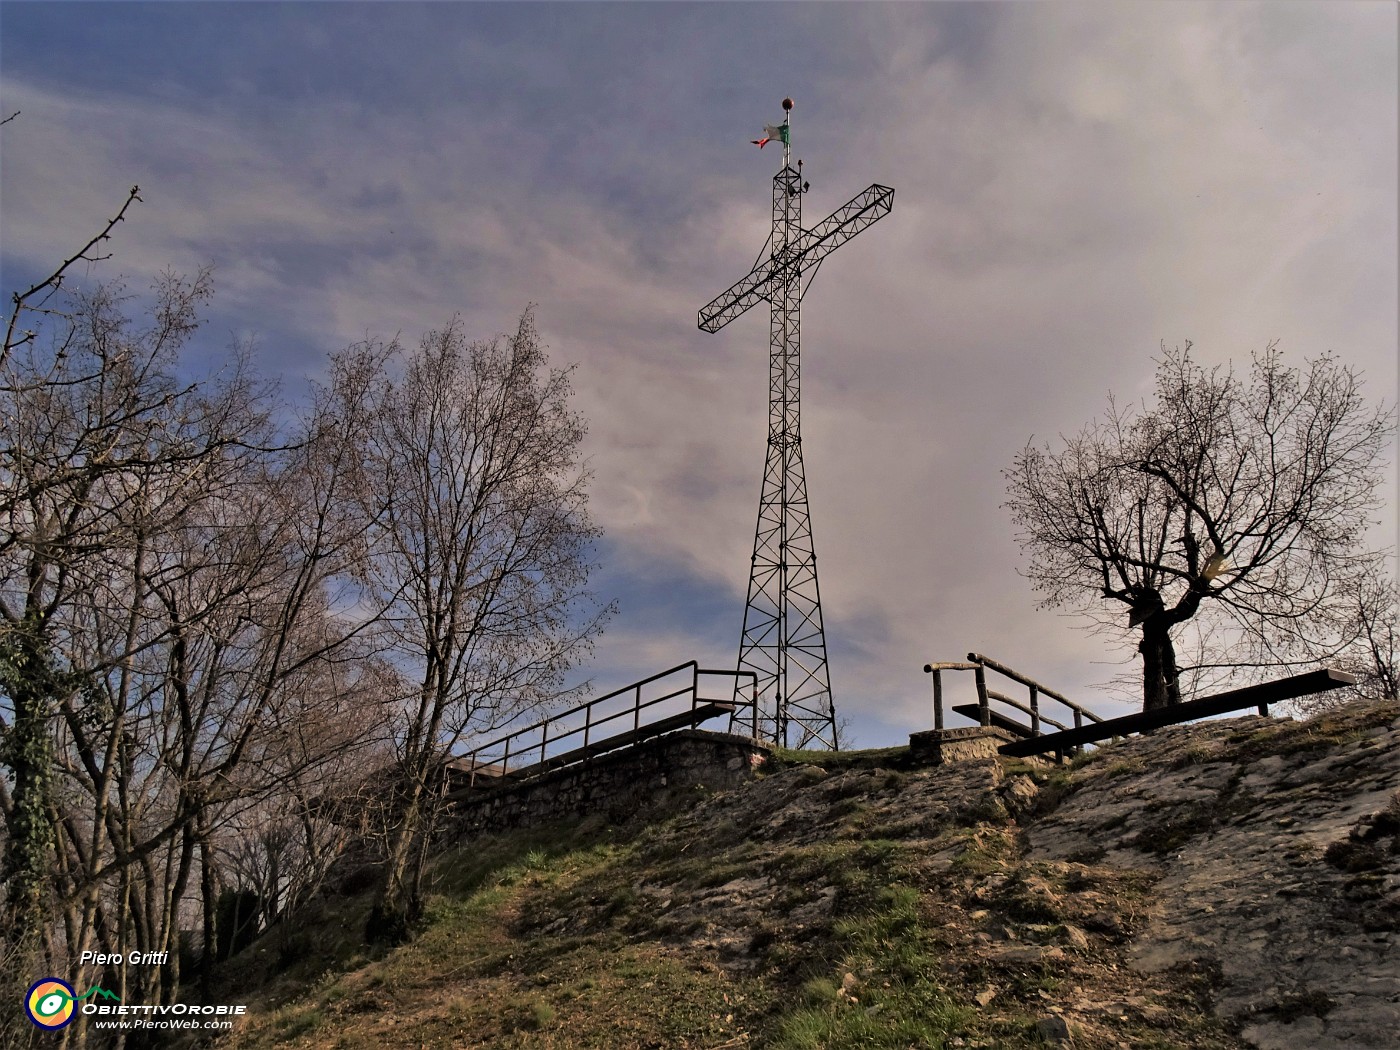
980,665
673,699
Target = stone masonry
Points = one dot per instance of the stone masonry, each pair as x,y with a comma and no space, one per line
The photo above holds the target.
651,775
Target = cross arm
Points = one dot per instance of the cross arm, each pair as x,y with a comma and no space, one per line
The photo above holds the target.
845,222
810,247
749,289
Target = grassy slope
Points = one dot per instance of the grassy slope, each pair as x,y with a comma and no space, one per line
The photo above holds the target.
867,906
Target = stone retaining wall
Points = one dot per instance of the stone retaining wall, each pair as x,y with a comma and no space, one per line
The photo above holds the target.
936,747
620,785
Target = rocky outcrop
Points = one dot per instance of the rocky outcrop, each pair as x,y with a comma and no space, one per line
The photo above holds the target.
1228,884
1275,853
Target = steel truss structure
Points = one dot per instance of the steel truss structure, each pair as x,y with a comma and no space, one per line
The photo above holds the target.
783,641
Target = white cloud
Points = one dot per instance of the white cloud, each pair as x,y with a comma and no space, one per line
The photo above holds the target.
1074,185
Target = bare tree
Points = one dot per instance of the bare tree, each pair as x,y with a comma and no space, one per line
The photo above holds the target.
237,680
282,843
1238,503
1374,656
86,410
477,544
208,617
174,645
31,586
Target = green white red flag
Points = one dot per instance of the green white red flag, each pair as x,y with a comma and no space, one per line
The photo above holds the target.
771,132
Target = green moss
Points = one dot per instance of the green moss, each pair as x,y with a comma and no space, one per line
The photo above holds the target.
511,856
849,807
1332,729
986,851
541,1015
834,761
1170,831
1123,768
1309,1003
1352,856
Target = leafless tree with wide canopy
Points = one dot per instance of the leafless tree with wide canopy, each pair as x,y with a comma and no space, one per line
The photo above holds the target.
1235,504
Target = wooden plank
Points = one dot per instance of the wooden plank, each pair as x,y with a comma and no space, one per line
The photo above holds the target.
633,736
1024,709
1222,703
998,719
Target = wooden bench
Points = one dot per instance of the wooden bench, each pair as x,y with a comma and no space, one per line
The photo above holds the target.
1256,696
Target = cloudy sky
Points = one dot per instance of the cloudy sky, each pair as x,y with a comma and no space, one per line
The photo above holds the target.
1075,185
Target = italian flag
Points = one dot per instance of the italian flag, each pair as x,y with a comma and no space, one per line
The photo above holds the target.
771,132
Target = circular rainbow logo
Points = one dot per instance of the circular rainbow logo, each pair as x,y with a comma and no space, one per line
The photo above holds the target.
49,1003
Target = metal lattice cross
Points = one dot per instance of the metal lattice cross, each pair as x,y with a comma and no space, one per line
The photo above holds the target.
783,641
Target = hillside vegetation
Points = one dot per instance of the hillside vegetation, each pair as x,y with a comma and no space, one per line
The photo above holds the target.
1230,884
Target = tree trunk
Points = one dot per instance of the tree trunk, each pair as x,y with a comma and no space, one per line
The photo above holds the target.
1160,687
209,891
29,755
399,907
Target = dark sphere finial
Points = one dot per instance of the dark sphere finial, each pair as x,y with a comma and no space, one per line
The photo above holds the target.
787,103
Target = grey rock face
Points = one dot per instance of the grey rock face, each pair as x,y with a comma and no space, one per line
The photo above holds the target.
1277,849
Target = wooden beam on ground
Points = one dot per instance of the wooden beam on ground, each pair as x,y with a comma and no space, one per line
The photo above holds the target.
1259,696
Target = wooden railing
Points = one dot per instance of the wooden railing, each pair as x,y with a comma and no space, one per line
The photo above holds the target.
986,715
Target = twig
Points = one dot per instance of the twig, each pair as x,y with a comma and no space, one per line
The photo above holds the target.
56,278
